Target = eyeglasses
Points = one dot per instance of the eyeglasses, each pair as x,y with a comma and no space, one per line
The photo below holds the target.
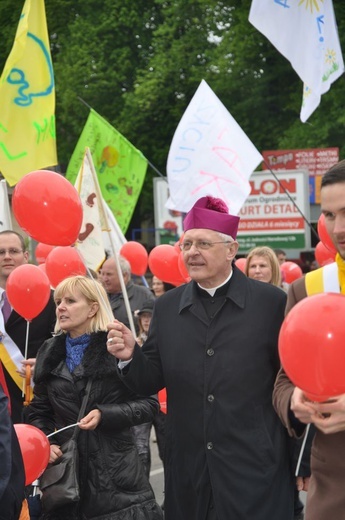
12,252
200,244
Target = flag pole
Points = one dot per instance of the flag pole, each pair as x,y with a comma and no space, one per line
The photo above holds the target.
115,254
292,200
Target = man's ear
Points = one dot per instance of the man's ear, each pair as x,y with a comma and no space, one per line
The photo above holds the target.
233,248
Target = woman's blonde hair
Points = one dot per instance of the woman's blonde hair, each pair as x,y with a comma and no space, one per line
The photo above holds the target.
268,253
93,292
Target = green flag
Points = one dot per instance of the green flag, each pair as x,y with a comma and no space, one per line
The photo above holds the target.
120,167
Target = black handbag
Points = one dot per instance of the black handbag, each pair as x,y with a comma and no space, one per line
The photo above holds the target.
59,483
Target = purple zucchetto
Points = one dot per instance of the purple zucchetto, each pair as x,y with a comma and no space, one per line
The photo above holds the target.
211,213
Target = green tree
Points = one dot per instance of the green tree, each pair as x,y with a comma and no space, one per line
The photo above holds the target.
138,64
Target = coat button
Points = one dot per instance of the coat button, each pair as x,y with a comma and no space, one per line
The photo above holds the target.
210,398
210,351
210,445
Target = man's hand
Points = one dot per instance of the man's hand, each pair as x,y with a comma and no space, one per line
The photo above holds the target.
330,416
91,420
302,407
27,362
302,483
120,341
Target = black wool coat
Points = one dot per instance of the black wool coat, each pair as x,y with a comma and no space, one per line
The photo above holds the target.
112,479
223,436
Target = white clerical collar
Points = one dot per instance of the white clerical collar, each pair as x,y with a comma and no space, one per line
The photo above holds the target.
212,290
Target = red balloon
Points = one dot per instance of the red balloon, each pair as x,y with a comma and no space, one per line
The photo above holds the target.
48,208
162,398
42,251
42,267
137,256
182,267
311,345
324,236
28,290
291,271
63,262
163,263
323,255
35,448
241,264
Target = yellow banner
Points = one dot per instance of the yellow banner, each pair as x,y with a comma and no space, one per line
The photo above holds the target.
27,99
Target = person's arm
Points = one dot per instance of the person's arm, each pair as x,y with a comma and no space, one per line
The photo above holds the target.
114,417
143,374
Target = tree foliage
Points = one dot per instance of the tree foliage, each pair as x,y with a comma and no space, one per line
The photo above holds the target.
138,64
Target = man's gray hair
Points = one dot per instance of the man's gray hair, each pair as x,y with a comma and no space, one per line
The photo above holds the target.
125,266
226,238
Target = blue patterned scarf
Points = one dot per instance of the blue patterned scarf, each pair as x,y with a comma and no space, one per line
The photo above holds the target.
75,348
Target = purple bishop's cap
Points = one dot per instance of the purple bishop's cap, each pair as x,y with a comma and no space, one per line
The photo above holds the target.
211,213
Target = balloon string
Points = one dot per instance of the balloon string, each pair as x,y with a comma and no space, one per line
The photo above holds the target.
26,351
61,429
302,450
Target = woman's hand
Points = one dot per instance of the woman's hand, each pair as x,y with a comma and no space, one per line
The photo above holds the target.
55,453
91,420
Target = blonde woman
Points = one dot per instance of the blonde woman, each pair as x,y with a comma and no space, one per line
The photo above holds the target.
262,264
112,480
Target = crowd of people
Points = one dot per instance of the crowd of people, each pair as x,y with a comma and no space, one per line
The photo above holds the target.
234,418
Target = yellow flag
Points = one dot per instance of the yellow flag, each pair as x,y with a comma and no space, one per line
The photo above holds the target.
27,99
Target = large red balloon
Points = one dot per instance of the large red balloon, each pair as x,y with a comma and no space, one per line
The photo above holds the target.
324,236
63,262
137,256
323,255
311,345
163,263
28,290
42,251
35,448
241,264
291,271
48,208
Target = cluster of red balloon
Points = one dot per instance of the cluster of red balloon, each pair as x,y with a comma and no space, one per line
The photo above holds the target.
290,271
166,262
323,255
324,236
324,251
311,345
48,208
